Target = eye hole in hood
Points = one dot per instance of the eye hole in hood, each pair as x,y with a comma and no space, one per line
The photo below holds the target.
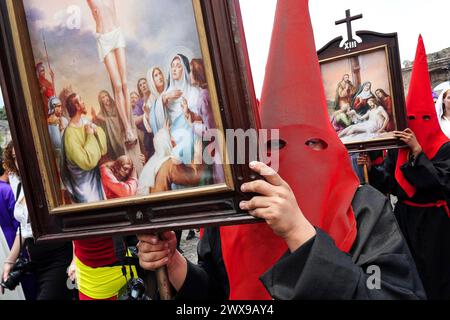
276,144
317,144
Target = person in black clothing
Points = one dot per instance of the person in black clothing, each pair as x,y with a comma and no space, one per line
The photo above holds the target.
424,218
420,177
312,268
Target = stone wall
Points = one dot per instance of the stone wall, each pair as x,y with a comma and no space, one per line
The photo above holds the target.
438,66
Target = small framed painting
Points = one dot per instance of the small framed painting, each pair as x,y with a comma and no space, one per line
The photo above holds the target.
364,91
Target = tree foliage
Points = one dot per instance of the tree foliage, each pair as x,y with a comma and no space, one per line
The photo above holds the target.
3,114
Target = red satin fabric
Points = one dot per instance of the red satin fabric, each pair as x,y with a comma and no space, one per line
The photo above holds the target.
420,104
96,252
248,251
324,182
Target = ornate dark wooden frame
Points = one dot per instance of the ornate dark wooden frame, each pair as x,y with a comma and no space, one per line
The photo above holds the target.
371,40
237,101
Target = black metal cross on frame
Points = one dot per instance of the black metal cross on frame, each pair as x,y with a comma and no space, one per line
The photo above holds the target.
348,20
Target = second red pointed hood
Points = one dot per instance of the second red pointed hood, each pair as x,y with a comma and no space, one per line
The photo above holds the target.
421,113
420,107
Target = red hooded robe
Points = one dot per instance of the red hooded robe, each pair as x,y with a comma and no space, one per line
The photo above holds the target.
293,101
422,118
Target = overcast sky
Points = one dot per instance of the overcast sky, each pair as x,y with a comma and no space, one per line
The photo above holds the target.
406,17
152,39
1,99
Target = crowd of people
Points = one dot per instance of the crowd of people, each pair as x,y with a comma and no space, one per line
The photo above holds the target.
312,244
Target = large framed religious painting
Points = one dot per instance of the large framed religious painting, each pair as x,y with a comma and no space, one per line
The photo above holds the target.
364,91
122,113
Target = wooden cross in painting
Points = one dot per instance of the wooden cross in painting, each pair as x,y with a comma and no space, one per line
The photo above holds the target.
350,43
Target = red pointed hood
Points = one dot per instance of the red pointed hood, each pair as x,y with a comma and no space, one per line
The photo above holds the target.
324,183
294,101
422,118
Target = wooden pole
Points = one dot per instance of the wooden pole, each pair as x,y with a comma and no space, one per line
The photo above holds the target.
162,280
164,286
149,278
366,174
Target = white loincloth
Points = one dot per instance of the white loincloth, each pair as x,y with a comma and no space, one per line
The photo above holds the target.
110,41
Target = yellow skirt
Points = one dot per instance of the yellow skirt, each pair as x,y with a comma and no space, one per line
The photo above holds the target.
101,283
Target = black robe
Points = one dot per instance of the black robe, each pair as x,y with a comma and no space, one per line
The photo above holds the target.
426,230
318,269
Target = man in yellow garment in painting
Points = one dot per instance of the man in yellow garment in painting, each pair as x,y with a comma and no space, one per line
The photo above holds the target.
84,144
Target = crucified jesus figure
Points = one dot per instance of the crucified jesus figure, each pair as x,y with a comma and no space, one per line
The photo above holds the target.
111,49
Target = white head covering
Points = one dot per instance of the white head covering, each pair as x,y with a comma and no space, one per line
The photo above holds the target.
163,152
52,103
151,82
151,85
154,96
364,93
190,93
445,124
174,110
